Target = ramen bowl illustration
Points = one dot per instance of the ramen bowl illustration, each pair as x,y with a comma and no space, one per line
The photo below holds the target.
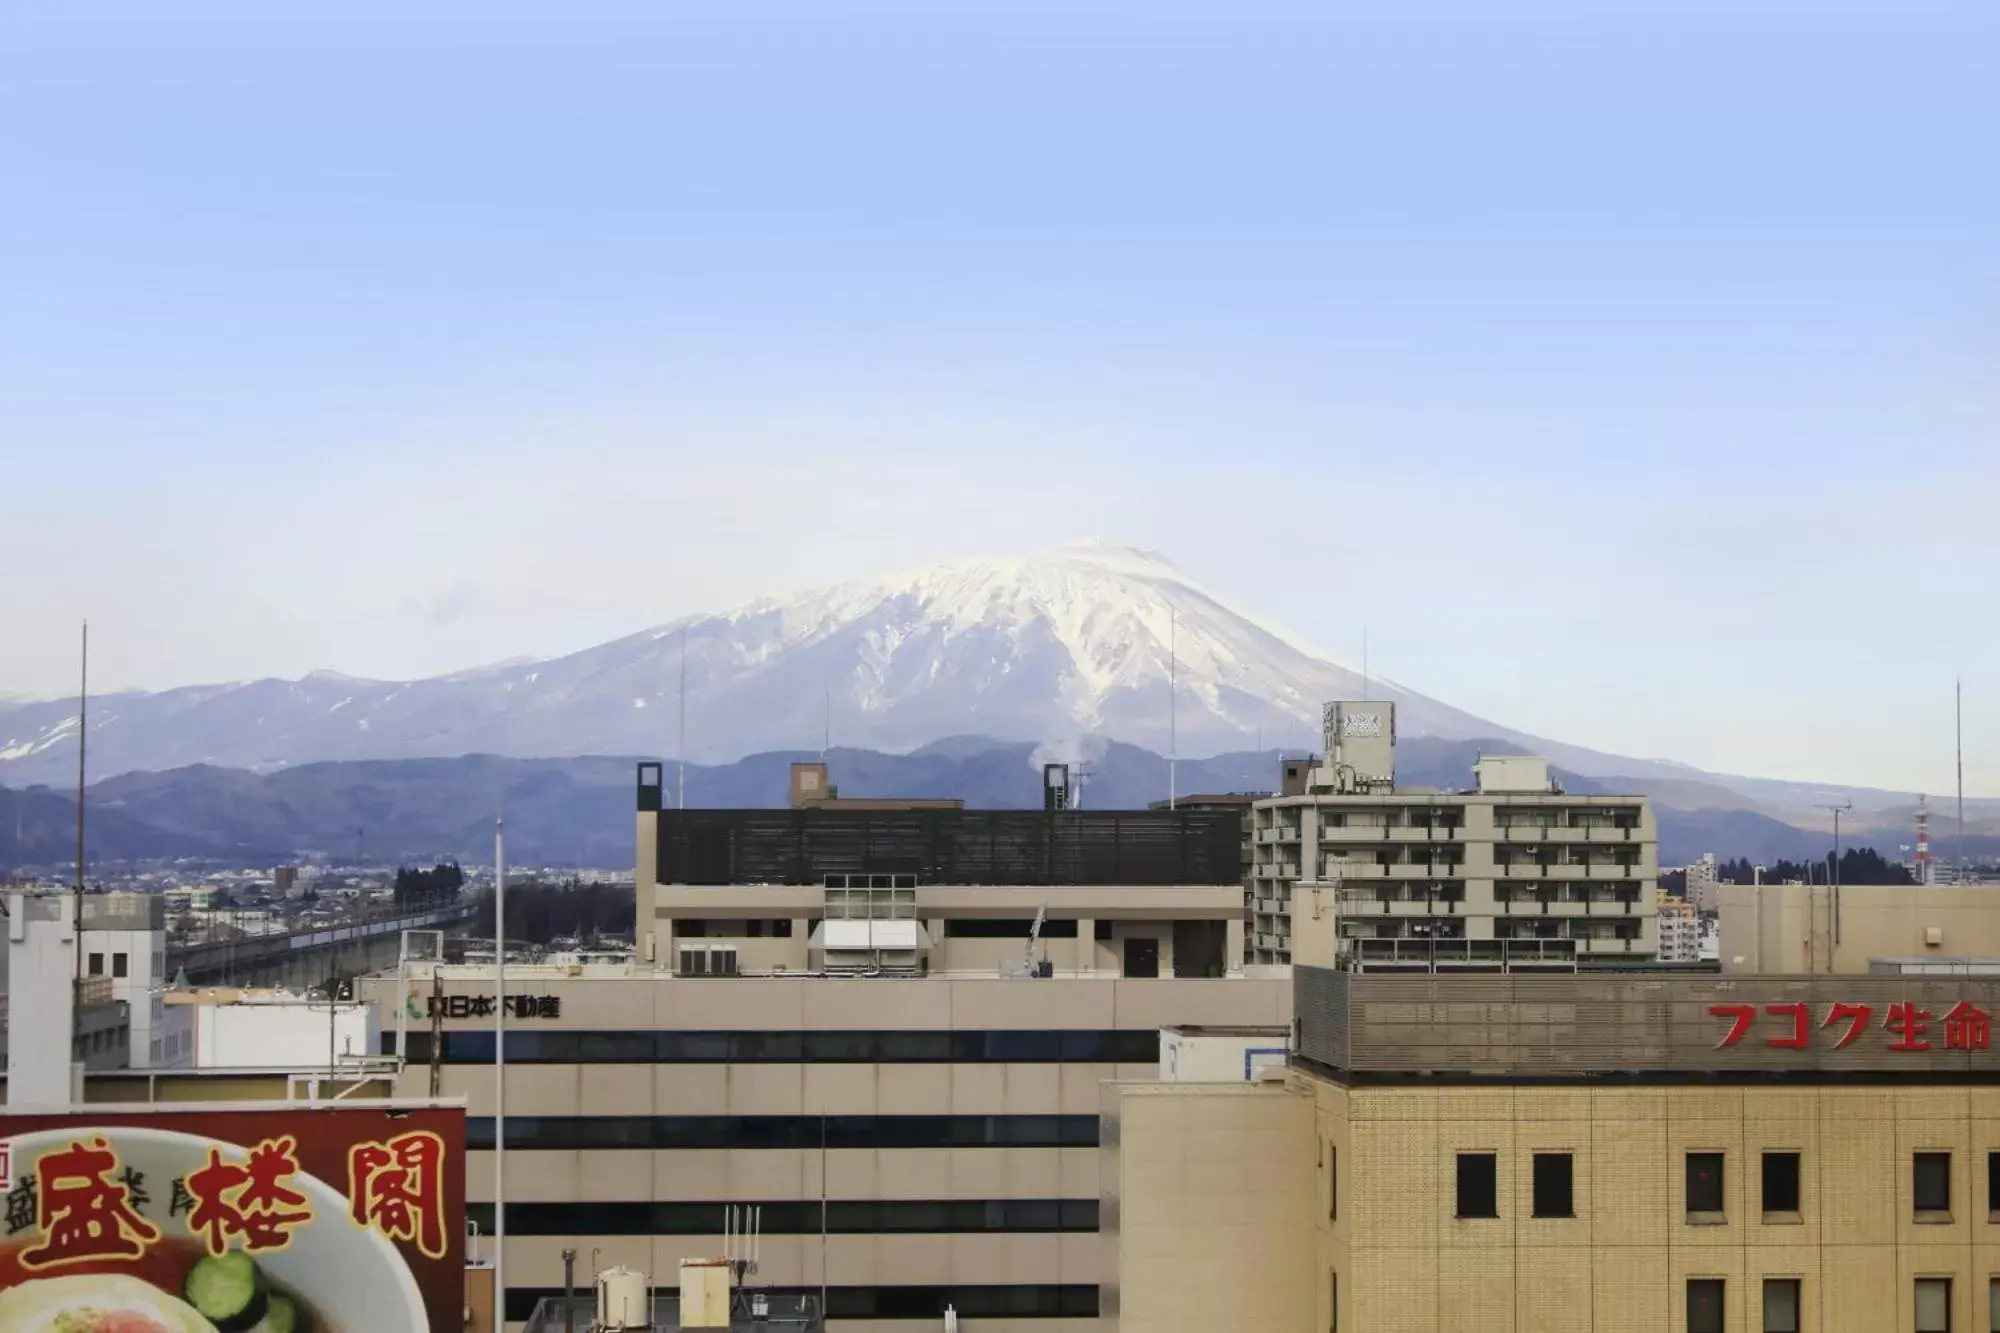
117,1229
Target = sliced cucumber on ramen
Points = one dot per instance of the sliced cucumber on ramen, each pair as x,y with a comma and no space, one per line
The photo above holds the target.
283,1316
229,1291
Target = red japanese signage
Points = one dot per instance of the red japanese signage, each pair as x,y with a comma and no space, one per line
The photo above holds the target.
338,1218
1903,1026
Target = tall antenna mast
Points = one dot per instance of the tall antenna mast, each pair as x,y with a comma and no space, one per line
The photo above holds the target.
1833,869
1958,699
82,746
681,777
76,918
1173,706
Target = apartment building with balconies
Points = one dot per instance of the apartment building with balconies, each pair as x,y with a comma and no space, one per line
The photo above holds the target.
1513,871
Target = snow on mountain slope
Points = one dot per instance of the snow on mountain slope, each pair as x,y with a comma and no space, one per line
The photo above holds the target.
1075,642
1064,648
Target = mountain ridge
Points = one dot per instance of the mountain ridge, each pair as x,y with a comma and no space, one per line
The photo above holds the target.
578,811
1062,649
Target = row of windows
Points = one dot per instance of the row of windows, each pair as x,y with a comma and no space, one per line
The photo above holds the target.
1022,1301
938,1046
1478,1193
793,1217
1781,1305
789,1131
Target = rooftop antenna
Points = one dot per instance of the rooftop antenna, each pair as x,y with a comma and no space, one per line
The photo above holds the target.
681,776
1173,707
76,919
1833,867
1958,709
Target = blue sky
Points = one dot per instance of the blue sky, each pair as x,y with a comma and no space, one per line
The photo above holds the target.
1628,372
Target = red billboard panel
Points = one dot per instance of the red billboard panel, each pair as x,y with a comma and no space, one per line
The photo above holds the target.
280,1219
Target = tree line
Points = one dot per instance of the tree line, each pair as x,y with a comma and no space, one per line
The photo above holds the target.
541,912
418,889
1858,865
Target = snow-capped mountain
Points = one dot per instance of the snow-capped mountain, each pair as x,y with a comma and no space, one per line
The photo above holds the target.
1092,641
1070,644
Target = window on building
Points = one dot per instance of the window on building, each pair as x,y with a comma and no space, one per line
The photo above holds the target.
1781,1183
1103,929
1333,1303
1704,1300
1993,1304
1478,1185
120,965
1930,1182
1993,1183
1554,1185
97,965
1332,1183
1704,1183
1781,1305
1933,1305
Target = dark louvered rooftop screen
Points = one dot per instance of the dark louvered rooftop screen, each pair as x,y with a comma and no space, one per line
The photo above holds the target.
1111,847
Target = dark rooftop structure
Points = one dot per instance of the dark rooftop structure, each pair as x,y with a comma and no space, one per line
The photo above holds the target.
1643,1025
948,845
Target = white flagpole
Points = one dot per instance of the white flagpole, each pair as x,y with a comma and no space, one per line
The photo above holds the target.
499,1072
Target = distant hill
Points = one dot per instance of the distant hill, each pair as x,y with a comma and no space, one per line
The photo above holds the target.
580,811
38,827
1067,647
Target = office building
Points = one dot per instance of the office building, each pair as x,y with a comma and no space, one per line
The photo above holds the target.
1636,1152
1512,868
1854,928
846,1019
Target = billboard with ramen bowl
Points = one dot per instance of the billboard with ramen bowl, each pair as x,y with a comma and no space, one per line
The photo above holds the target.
237,1219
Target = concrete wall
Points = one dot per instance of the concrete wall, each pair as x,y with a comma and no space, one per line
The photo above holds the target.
729,914
41,998
1220,1057
1209,1218
1794,928
121,933
280,1035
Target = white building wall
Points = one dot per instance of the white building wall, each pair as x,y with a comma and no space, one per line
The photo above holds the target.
142,956
1224,1056
41,999
281,1034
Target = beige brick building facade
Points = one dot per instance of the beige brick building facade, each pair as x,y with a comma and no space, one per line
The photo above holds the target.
1793,1191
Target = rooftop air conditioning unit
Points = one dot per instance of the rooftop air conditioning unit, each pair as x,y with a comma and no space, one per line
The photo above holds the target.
621,1300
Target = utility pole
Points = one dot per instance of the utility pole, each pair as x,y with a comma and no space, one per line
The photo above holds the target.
499,1062
681,776
1833,876
1958,710
1173,707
